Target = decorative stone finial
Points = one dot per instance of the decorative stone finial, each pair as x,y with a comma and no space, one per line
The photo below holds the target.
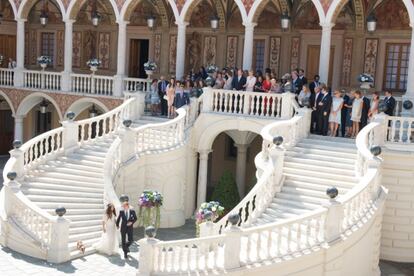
234,219
407,104
17,144
60,211
124,198
11,175
382,107
150,232
278,140
70,115
127,123
375,150
332,192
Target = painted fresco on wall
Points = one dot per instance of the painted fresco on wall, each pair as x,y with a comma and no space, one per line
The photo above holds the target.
104,49
140,13
7,11
180,4
51,9
60,42
33,48
235,20
26,48
194,56
370,56
274,56
269,18
173,53
201,14
76,49
392,14
347,62
104,9
231,57
307,18
344,21
294,56
157,51
209,55
247,5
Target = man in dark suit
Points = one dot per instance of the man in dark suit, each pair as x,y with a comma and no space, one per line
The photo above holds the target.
239,81
296,83
324,108
366,105
302,77
389,102
314,84
314,100
127,217
162,88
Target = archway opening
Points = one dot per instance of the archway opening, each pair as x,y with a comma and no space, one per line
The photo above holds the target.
6,127
7,34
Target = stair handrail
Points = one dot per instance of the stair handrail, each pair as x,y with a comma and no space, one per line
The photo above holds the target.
112,164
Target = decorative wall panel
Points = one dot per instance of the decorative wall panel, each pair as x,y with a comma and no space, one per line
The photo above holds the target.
173,53
370,56
294,54
347,62
210,50
60,42
33,47
104,49
26,48
232,44
157,51
77,49
274,56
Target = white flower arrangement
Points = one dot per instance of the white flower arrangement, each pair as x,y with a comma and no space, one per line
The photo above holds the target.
44,60
365,78
93,62
212,68
150,66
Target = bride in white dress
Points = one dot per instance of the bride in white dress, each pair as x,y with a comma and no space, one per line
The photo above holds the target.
109,243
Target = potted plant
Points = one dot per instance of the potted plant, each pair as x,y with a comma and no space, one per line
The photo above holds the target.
93,64
149,204
366,81
208,212
149,68
44,61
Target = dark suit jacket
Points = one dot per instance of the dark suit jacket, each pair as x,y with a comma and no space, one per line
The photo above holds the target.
124,220
326,104
297,85
238,85
160,92
313,100
390,104
312,86
181,99
304,80
365,109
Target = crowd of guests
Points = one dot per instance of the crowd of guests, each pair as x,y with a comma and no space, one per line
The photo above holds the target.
334,113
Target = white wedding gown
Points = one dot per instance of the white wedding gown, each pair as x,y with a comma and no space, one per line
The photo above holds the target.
109,243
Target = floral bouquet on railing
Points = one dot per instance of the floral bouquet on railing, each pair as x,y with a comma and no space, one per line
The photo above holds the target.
208,211
366,80
150,66
149,204
93,64
44,61
212,68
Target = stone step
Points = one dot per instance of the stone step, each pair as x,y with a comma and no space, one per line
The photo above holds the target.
300,191
90,152
298,205
289,208
77,161
342,148
64,187
68,182
87,221
315,168
317,179
64,199
302,198
317,187
81,157
84,236
321,157
85,217
331,139
324,152
319,163
85,229
51,192
93,212
323,175
76,166
65,170
88,243
103,148
71,205
68,177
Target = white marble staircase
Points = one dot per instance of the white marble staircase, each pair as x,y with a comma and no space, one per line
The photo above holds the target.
310,168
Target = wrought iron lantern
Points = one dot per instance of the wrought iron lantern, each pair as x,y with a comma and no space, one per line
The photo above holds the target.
44,15
371,23
93,112
151,21
214,22
43,106
285,21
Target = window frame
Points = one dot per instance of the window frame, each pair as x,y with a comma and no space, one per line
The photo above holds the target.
386,66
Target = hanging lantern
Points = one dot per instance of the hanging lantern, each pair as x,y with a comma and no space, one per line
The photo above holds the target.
151,21
43,15
285,21
371,23
43,106
214,22
93,112
95,19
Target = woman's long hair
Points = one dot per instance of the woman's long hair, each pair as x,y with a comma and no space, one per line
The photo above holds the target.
109,211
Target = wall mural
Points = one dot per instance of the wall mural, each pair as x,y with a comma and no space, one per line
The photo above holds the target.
33,48
274,56
89,46
200,17
193,52
209,55
76,49
232,44
173,53
104,49
60,42
347,62
307,18
26,48
392,14
294,57
370,56
157,51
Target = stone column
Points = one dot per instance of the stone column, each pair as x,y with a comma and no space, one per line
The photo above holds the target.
202,177
180,57
409,95
67,71
18,71
325,51
241,168
18,128
248,45
121,59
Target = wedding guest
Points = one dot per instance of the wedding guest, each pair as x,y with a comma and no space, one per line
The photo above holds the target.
286,83
324,108
349,122
199,87
12,64
127,217
274,86
219,83
304,95
314,100
374,105
302,76
239,81
344,113
155,99
296,83
314,84
170,97
366,104
109,243
259,85
228,83
250,82
267,84
335,115
356,113
389,102
162,94
181,96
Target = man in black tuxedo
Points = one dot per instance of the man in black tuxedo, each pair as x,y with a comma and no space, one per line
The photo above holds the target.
127,217
389,102
324,108
366,105
239,81
162,88
302,77
296,83
314,100
314,84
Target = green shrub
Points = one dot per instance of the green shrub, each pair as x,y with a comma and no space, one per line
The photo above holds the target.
226,192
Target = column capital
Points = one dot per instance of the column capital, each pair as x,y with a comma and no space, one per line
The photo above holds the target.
249,25
326,25
19,118
204,154
21,20
241,147
181,24
69,21
123,23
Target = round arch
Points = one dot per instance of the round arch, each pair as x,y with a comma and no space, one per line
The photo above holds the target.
27,5
206,138
217,5
32,100
76,5
9,102
14,8
130,5
80,105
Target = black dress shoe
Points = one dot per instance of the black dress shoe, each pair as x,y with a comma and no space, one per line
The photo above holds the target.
125,255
